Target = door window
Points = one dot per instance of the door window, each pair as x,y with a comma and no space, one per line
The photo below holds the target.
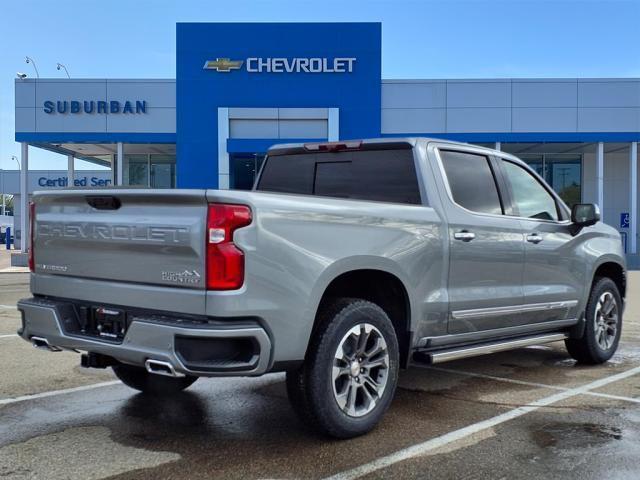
531,199
471,181
562,171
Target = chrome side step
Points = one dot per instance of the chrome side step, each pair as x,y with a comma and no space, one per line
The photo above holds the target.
450,354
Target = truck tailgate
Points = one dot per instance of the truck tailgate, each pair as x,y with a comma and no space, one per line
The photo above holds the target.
152,237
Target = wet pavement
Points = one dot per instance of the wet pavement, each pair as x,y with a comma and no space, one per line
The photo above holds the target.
529,413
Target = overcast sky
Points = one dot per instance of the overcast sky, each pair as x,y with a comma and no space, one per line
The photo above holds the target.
420,39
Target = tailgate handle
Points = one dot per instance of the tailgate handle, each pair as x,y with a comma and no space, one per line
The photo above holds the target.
104,202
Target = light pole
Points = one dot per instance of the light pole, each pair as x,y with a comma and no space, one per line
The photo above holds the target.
30,60
17,161
62,66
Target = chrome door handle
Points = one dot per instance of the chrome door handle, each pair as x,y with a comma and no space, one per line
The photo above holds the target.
464,235
534,238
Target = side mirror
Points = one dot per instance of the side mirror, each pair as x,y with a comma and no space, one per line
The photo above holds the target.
585,214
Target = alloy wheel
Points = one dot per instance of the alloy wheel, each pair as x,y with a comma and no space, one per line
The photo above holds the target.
606,320
360,370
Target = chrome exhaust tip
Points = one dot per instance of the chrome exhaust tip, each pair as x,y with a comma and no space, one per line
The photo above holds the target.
43,344
161,368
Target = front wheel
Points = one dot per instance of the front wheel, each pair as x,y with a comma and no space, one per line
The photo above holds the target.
139,379
350,374
603,325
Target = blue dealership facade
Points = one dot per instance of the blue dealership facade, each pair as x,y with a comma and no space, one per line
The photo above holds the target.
201,91
242,87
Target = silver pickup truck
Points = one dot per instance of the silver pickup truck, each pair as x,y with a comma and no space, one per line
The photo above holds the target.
347,262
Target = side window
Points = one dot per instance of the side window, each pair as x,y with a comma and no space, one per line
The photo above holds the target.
471,181
531,199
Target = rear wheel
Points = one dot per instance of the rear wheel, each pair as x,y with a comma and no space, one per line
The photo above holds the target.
603,325
139,379
349,376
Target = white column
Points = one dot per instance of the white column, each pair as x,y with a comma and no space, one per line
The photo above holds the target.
633,198
119,164
600,177
499,146
223,155
24,197
71,174
333,125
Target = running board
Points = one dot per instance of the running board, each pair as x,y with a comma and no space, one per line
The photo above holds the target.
447,355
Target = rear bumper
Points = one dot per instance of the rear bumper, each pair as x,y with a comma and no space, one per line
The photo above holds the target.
187,349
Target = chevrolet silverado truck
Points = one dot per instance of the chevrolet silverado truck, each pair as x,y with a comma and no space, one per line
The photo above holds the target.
346,262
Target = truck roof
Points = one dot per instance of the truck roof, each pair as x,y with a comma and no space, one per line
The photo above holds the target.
361,144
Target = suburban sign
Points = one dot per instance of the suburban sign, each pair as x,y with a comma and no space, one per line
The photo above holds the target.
284,65
94,106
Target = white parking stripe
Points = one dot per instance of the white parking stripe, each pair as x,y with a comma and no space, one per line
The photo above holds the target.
53,393
499,379
434,443
531,384
8,336
11,307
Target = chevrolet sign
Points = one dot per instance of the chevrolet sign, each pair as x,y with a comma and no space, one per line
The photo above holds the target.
284,65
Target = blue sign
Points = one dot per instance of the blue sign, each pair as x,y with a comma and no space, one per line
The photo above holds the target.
624,220
267,65
94,106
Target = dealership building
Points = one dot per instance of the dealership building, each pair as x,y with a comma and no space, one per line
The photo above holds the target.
242,87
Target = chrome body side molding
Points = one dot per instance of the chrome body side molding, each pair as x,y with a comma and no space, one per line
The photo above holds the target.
496,311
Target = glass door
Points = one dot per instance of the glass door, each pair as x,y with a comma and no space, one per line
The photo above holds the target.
244,168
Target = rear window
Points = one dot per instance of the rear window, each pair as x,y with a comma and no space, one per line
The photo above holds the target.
379,175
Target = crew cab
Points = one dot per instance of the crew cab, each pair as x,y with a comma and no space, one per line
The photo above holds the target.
346,262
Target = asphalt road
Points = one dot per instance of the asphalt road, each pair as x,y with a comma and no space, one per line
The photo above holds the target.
529,413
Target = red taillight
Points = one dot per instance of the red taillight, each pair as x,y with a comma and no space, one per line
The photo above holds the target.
225,261
32,224
333,146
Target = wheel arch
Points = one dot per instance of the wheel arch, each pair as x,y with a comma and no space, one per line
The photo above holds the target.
615,271
377,285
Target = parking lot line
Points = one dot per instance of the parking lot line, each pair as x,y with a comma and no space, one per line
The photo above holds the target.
53,393
499,379
11,307
443,440
8,336
531,384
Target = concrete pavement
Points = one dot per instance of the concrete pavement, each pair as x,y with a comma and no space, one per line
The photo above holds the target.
528,413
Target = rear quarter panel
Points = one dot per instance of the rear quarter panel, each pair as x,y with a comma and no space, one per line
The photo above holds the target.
297,245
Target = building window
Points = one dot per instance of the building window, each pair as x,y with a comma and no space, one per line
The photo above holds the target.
149,170
136,170
162,171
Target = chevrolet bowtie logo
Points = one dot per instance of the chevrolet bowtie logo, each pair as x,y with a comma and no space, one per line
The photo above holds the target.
223,64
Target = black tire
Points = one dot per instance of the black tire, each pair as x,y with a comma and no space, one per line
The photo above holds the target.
587,349
139,379
311,389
